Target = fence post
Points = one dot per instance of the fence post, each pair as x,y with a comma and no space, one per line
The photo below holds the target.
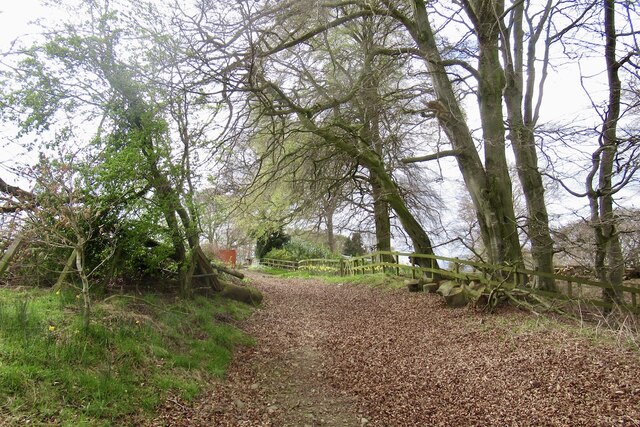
570,289
413,267
580,289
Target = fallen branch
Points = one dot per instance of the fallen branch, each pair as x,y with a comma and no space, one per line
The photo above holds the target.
65,271
10,253
229,271
16,192
25,199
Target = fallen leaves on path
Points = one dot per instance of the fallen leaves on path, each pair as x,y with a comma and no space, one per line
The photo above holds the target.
349,355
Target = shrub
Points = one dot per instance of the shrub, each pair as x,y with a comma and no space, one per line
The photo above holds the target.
269,242
298,249
281,254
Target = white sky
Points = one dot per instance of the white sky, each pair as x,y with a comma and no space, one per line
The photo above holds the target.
15,16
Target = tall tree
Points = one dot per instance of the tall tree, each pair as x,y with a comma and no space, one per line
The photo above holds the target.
609,259
101,67
320,103
614,161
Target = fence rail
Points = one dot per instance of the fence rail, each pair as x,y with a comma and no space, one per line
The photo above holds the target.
279,263
570,288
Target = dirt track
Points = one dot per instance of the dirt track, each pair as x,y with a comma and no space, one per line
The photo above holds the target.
346,355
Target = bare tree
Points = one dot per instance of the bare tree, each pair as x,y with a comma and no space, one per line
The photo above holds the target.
609,260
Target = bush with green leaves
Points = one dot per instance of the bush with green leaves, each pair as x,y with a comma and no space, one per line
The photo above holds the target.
298,249
268,242
281,254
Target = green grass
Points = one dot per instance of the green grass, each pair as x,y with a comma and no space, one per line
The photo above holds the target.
284,273
377,280
134,353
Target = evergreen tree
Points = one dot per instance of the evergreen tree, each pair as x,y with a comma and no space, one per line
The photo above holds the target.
353,245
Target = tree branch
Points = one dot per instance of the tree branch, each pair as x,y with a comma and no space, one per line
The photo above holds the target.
16,192
434,156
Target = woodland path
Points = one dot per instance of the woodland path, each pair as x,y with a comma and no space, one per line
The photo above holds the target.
350,355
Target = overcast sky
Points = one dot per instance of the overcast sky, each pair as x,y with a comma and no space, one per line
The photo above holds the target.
14,17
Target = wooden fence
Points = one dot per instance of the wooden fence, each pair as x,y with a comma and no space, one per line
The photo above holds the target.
570,288
279,263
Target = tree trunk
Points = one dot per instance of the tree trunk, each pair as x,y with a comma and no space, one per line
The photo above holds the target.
65,271
86,298
421,241
608,219
136,114
203,267
521,127
538,218
180,252
382,219
370,134
373,162
490,189
609,262
10,253
329,210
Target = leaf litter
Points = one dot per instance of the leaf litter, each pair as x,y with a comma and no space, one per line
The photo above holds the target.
351,355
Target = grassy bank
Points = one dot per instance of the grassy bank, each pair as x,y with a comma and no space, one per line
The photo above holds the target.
136,353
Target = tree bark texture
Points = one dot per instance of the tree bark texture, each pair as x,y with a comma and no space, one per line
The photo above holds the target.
381,217
490,189
521,128
609,261
370,135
